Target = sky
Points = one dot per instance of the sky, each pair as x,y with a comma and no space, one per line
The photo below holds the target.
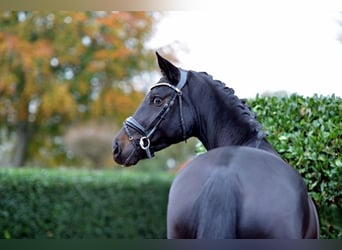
262,46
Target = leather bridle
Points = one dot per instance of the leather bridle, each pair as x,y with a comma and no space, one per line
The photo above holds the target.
144,141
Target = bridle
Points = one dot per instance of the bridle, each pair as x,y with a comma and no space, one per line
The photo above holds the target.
144,141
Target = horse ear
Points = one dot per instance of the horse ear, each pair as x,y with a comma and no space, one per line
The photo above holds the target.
168,70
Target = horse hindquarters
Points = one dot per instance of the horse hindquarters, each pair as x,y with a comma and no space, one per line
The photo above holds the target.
217,208
212,214
225,194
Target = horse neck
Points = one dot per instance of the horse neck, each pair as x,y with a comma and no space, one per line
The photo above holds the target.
223,120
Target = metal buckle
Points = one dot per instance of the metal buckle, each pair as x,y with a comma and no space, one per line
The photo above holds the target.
144,142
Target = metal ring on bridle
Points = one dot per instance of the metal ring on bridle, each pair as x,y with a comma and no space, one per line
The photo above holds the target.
144,142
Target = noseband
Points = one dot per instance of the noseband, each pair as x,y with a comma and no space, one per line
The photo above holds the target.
131,122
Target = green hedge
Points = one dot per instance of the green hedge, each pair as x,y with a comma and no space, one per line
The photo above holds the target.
42,203
307,132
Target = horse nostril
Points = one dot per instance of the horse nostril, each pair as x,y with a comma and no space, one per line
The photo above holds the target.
116,148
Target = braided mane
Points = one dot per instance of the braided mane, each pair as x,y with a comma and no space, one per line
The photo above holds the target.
239,105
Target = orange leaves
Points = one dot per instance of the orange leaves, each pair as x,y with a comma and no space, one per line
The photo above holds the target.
80,16
114,41
96,66
42,48
23,55
115,104
83,87
103,45
13,50
7,83
58,100
56,65
108,20
108,55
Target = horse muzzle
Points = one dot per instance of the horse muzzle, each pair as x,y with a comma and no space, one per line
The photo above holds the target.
127,151
123,152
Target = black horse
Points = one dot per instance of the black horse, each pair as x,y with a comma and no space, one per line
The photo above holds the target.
240,188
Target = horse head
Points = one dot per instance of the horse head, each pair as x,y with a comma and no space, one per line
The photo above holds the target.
162,119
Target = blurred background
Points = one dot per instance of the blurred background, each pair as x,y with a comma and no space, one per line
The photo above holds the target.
69,79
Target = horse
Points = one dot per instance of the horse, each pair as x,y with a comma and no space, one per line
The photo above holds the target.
240,188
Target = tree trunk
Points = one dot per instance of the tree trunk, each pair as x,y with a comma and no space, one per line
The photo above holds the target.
23,135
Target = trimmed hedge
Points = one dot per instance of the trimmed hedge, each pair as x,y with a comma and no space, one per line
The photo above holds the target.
42,203
307,132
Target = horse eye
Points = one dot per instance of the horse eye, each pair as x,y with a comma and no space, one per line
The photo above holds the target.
157,101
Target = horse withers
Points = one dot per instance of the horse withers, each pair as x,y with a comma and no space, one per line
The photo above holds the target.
239,188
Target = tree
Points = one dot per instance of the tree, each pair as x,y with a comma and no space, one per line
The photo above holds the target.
58,67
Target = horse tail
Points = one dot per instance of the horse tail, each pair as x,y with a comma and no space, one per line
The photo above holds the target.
215,217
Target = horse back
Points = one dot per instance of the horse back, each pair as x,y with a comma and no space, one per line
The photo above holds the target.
237,192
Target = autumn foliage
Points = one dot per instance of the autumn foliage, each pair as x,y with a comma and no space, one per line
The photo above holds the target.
62,67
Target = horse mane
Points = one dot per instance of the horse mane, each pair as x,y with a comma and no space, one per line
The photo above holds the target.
240,105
